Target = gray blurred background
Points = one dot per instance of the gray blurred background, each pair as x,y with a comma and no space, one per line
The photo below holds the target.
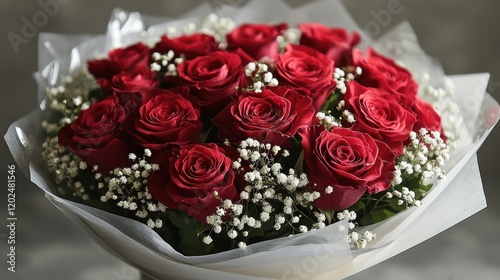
464,35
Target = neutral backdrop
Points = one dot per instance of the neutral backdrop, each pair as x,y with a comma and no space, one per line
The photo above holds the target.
463,35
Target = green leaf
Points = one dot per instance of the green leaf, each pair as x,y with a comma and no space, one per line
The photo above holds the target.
332,102
208,134
358,206
329,216
393,204
376,216
190,233
299,165
426,188
96,93
296,157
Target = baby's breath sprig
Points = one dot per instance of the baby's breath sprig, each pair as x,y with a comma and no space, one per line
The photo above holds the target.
330,121
289,36
69,98
344,76
424,157
271,201
166,63
217,27
127,188
212,25
261,76
355,238
334,105
442,98
415,170
68,169
67,101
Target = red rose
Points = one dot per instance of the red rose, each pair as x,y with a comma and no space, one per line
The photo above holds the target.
380,114
133,82
190,46
304,67
121,59
188,179
272,116
258,40
95,136
381,72
130,87
349,162
213,79
427,117
167,118
335,43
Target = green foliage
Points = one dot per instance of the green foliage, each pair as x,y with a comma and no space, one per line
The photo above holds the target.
189,235
332,102
376,216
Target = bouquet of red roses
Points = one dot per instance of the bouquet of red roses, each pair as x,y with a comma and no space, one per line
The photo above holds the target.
220,136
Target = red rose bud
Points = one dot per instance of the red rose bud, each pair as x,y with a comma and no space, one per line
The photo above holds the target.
343,164
166,118
380,114
127,59
336,43
382,72
257,40
213,79
272,116
190,46
427,117
121,59
96,136
189,177
134,81
305,68
131,88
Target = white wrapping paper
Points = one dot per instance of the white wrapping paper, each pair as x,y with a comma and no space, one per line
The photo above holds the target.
321,254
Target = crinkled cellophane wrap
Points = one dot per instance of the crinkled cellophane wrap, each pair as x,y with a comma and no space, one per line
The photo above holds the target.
321,254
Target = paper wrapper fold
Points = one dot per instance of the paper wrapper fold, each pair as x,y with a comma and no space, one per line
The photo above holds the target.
321,254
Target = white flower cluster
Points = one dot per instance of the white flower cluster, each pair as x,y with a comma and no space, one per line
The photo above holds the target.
342,78
166,63
68,99
261,76
290,36
66,167
271,199
212,25
406,196
217,27
357,239
451,116
442,99
426,155
128,187
329,121
186,29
